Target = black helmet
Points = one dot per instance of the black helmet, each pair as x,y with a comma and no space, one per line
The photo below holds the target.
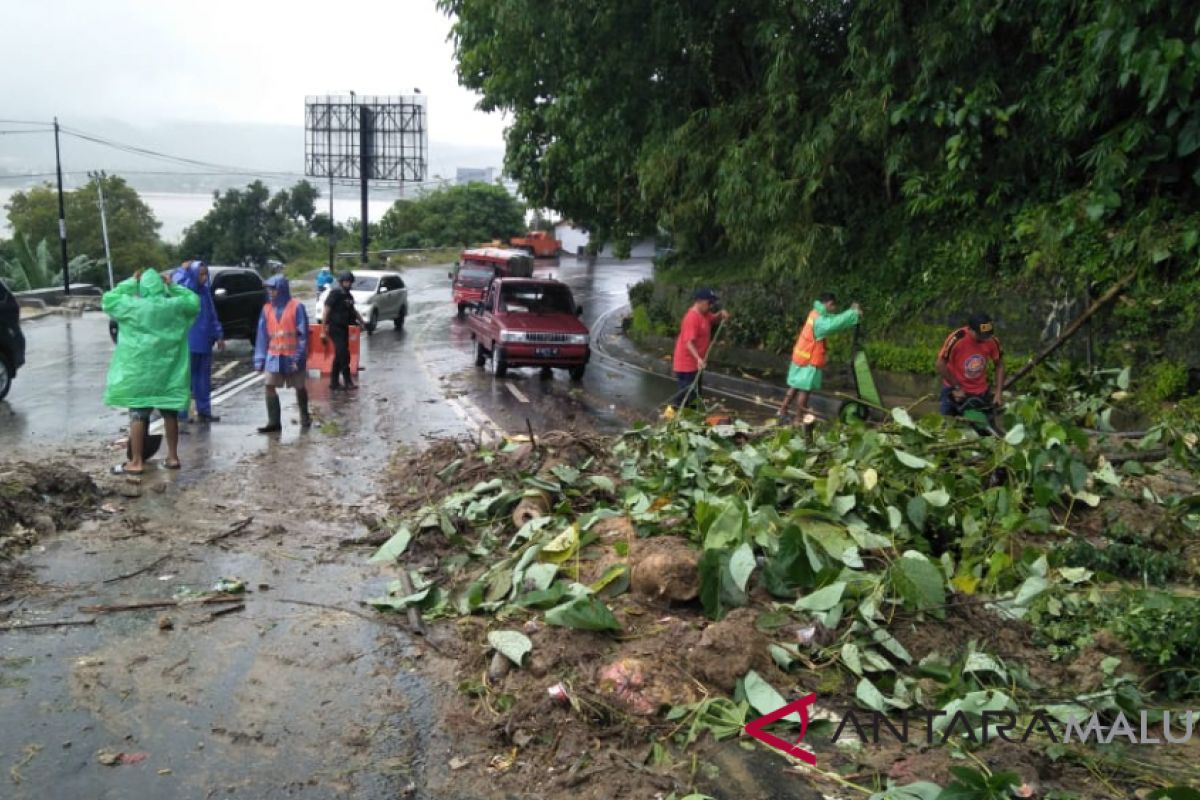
346,276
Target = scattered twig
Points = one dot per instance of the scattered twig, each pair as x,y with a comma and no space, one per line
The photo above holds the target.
370,540
350,611
144,604
232,530
220,612
20,626
532,439
136,572
414,616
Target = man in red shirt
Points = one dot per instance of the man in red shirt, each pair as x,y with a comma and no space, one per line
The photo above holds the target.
691,348
962,363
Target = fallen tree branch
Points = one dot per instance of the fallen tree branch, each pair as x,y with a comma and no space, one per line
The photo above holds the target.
21,626
136,572
144,604
233,530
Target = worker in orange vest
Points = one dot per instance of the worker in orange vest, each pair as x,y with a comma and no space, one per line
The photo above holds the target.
808,356
281,350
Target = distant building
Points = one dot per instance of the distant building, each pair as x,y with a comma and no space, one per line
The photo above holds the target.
466,175
573,239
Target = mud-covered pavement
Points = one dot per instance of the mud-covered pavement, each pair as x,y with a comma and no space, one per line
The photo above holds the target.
298,690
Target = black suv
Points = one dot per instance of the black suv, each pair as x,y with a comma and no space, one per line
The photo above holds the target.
12,341
239,296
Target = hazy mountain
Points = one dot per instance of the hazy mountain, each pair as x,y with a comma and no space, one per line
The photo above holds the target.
270,148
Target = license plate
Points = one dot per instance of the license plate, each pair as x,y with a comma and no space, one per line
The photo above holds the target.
545,352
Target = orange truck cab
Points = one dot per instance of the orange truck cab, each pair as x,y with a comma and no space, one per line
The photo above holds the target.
539,243
477,267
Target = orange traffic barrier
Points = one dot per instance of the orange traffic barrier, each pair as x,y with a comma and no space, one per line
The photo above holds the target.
320,354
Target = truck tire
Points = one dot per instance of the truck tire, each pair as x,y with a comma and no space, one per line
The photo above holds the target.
576,373
373,321
499,363
480,354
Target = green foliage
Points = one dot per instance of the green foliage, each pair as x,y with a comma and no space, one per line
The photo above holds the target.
924,160
28,267
973,784
250,226
1163,381
132,227
1133,561
453,216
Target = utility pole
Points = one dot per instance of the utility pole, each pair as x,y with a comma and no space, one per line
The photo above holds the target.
99,178
365,145
332,228
62,215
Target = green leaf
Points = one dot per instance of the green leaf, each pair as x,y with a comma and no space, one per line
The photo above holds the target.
1174,793
917,509
823,599
870,696
611,581
394,547
585,614
842,504
902,417
561,547
1016,435
918,581
567,474
741,564
911,461
514,645
788,570
763,698
602,482
938,498
719,592
728,529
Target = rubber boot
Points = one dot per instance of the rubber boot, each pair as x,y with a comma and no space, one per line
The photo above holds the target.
273,414
302,401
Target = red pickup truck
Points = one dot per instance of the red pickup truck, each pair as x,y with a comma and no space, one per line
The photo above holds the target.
529,322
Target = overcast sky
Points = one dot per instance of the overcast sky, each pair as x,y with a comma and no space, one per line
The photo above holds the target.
146,61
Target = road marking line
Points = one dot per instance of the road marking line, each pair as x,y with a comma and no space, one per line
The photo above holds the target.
517,393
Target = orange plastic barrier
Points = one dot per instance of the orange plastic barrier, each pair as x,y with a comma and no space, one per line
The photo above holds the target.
320,354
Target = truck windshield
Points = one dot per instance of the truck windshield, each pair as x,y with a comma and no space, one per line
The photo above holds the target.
537,299
475,275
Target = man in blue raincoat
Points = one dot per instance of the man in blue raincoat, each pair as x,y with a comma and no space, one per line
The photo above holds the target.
324,278
281,351
150,368
205,333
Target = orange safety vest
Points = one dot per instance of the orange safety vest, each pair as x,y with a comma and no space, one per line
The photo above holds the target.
282,337
808,351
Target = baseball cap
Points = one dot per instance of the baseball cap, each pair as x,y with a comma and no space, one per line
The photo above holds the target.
981,324
705,294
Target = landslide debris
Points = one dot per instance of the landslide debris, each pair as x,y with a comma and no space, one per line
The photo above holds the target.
37,500
656,591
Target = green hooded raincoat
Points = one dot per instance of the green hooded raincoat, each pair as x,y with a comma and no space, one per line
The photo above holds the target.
151,366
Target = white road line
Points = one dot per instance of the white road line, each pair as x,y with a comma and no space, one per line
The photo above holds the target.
517,393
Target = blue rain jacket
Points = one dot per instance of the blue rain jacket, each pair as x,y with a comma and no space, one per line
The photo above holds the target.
324,278
284,365
206,330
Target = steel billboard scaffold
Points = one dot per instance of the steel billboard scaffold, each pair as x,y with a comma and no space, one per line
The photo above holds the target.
365,138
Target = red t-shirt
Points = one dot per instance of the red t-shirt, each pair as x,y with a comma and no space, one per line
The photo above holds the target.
697,329
967,360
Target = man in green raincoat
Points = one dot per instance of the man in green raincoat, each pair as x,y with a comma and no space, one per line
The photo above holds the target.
151,366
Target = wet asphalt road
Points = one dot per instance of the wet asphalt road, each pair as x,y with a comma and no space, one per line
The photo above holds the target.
424,372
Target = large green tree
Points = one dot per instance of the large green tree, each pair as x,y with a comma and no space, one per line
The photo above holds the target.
906,151
132,227
251,225
453,216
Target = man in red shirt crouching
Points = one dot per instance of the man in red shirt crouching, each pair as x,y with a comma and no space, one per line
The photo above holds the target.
963,363
691,348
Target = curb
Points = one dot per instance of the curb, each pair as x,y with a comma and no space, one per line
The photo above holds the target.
610,342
